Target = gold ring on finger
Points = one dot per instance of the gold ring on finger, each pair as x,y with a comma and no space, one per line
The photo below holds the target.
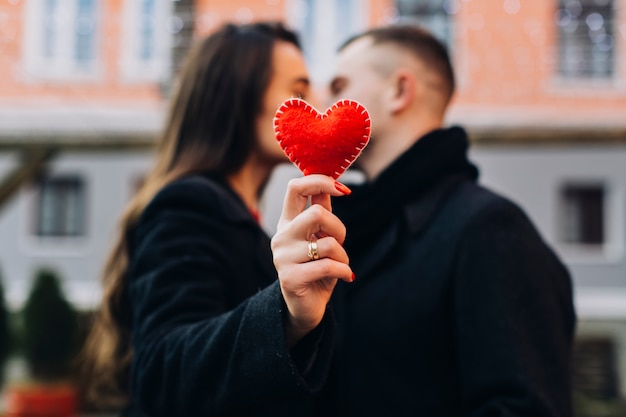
312,253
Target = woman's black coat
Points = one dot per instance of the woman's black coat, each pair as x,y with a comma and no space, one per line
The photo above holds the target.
206,312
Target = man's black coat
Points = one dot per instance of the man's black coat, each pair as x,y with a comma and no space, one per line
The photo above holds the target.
459,308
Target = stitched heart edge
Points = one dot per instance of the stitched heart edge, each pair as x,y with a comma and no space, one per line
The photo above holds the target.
298,102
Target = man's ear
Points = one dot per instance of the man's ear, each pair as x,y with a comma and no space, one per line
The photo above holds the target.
404,89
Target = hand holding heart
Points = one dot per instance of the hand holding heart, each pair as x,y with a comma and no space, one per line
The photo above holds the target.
318,143
307,284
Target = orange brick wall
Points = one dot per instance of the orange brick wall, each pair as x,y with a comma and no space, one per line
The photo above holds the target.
502,59
14,87
210,13
10,30
110,87
510,59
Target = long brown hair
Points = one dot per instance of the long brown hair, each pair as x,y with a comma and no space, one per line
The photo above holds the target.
210,127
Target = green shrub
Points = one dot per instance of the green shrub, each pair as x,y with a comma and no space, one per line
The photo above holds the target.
49,328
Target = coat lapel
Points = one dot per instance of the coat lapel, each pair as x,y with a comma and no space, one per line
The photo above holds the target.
380,249
420,212
417,216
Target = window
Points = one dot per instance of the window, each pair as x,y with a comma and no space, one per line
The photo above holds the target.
432,14
595,373
323,25
307,27
85,22
583,214
50,29
60,37
345,26
148,30
61,207
586,38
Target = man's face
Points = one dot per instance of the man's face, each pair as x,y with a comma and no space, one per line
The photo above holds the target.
356,78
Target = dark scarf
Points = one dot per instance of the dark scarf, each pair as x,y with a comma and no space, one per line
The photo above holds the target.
373,205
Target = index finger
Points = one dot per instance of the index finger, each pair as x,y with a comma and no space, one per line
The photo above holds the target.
299,190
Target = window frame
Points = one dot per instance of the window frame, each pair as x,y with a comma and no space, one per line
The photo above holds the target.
612,247
321,38
572,196
134,69
61,185
587,75
447,38
70,247
63,66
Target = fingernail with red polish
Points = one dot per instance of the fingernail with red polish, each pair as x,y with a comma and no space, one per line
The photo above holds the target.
342,188
353,277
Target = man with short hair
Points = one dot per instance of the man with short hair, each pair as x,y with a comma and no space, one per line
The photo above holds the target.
459,308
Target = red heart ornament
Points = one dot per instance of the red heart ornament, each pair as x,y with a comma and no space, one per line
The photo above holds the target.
322,143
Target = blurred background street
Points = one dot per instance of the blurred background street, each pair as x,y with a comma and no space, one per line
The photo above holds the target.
84,86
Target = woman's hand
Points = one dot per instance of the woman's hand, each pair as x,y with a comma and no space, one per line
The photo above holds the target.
306,283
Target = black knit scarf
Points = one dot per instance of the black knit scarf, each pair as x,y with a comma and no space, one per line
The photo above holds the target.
373,205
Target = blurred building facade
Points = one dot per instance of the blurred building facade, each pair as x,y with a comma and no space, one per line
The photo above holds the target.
541,88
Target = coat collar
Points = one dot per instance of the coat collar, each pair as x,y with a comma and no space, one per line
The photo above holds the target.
233,207
374,206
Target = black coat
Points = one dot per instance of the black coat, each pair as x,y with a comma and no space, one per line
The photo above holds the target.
206,312
458,309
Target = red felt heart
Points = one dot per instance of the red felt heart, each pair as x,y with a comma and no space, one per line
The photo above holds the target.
322,143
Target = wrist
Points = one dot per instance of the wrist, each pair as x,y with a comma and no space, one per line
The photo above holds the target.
296,329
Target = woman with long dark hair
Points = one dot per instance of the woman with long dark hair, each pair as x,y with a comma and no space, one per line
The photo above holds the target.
193,319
